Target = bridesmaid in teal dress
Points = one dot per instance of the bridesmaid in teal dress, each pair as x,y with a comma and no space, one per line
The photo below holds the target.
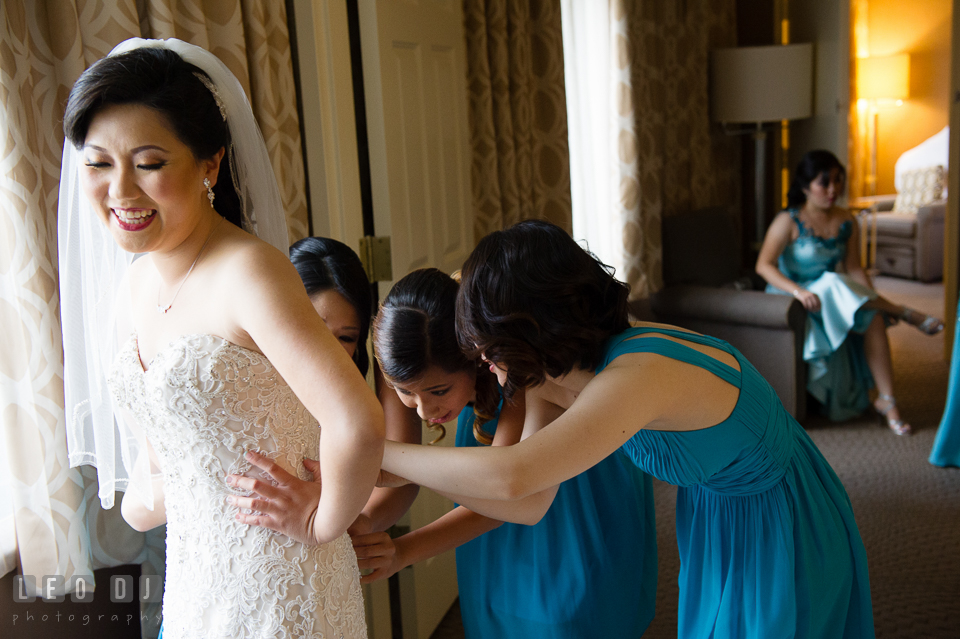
811,251
946,446
768,542
588,569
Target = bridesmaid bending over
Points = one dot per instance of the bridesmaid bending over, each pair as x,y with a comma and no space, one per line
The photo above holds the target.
767,538
587,569
811,251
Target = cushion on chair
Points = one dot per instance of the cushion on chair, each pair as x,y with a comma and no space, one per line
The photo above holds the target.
897,224
920,187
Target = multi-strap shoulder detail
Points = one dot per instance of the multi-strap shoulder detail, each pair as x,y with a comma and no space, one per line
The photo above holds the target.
651,340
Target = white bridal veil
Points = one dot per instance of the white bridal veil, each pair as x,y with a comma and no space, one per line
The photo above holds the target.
92,267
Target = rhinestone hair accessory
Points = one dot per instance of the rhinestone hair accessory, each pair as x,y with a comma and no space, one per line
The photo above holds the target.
216,94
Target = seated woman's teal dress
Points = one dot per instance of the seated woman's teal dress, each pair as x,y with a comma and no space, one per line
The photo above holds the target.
946,446
768,542
837,372
587,569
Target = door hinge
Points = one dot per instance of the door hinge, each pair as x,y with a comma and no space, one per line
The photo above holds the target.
376,257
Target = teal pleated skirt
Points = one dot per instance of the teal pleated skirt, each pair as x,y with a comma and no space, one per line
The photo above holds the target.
587,569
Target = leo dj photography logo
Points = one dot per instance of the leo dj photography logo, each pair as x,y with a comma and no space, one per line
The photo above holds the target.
52,589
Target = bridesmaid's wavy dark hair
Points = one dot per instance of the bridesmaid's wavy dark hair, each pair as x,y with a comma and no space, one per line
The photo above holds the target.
163,81
533,299
812,165
325,264
415,328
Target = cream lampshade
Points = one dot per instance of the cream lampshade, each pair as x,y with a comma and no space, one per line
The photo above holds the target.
884,78
757,85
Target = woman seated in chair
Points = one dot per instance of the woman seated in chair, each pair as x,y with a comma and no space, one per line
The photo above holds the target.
811,251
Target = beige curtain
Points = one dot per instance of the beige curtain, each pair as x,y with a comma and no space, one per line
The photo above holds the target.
44,46
518,116
680,161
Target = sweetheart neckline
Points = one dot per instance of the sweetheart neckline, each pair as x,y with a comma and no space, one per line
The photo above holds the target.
144,370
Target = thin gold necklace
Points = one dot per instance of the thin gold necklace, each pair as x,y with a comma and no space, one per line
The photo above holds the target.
164,309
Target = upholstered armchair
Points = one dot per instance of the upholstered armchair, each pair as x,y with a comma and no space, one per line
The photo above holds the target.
909,225
909,243
706,291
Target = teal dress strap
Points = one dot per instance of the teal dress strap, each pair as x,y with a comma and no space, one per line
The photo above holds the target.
668,348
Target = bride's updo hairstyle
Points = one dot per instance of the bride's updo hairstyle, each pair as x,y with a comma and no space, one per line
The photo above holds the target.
415,329
533,299
161,80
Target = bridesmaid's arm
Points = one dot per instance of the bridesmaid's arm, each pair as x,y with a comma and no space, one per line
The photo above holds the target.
387,556
634,392
778,236
775,241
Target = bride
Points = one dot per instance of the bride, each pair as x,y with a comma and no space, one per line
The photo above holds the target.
205,347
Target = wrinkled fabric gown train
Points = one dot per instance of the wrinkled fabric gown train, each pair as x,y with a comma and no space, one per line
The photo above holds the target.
837,372
768,542
203,403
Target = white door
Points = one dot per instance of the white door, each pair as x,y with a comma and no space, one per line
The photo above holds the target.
414,69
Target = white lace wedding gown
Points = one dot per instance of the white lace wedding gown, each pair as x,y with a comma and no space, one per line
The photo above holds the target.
203,402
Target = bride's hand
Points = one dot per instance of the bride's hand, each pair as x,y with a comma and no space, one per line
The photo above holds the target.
289,507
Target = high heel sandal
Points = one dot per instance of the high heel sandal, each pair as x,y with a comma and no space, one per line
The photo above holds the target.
929,324
898,426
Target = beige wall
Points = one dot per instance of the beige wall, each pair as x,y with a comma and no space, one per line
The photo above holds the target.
922,29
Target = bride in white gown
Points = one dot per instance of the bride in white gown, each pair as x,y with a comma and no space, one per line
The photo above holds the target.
219,351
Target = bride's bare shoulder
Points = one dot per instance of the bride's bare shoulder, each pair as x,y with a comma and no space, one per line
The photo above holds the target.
250,260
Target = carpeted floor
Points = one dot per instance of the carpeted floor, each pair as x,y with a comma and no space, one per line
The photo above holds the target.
908,511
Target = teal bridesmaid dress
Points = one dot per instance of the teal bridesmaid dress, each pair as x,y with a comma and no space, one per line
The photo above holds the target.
768,542
837,372
946,446
587,569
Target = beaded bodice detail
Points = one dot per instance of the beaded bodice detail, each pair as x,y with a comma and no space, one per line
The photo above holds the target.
203,402
810,256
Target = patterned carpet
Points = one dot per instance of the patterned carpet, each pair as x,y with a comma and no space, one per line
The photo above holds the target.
908,511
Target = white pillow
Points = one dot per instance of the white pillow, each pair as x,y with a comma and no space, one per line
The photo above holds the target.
920,187
931,152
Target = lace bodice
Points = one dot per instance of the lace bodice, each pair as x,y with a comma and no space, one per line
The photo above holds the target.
810,256
203,402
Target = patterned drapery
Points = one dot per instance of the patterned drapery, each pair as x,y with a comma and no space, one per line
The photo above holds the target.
662,153
518,114
44,46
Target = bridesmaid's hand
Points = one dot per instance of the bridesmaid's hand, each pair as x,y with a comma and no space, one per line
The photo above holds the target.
289,507
809,300
377,552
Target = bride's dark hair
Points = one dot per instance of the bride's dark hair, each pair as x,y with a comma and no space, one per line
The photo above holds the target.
161,80
415,329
